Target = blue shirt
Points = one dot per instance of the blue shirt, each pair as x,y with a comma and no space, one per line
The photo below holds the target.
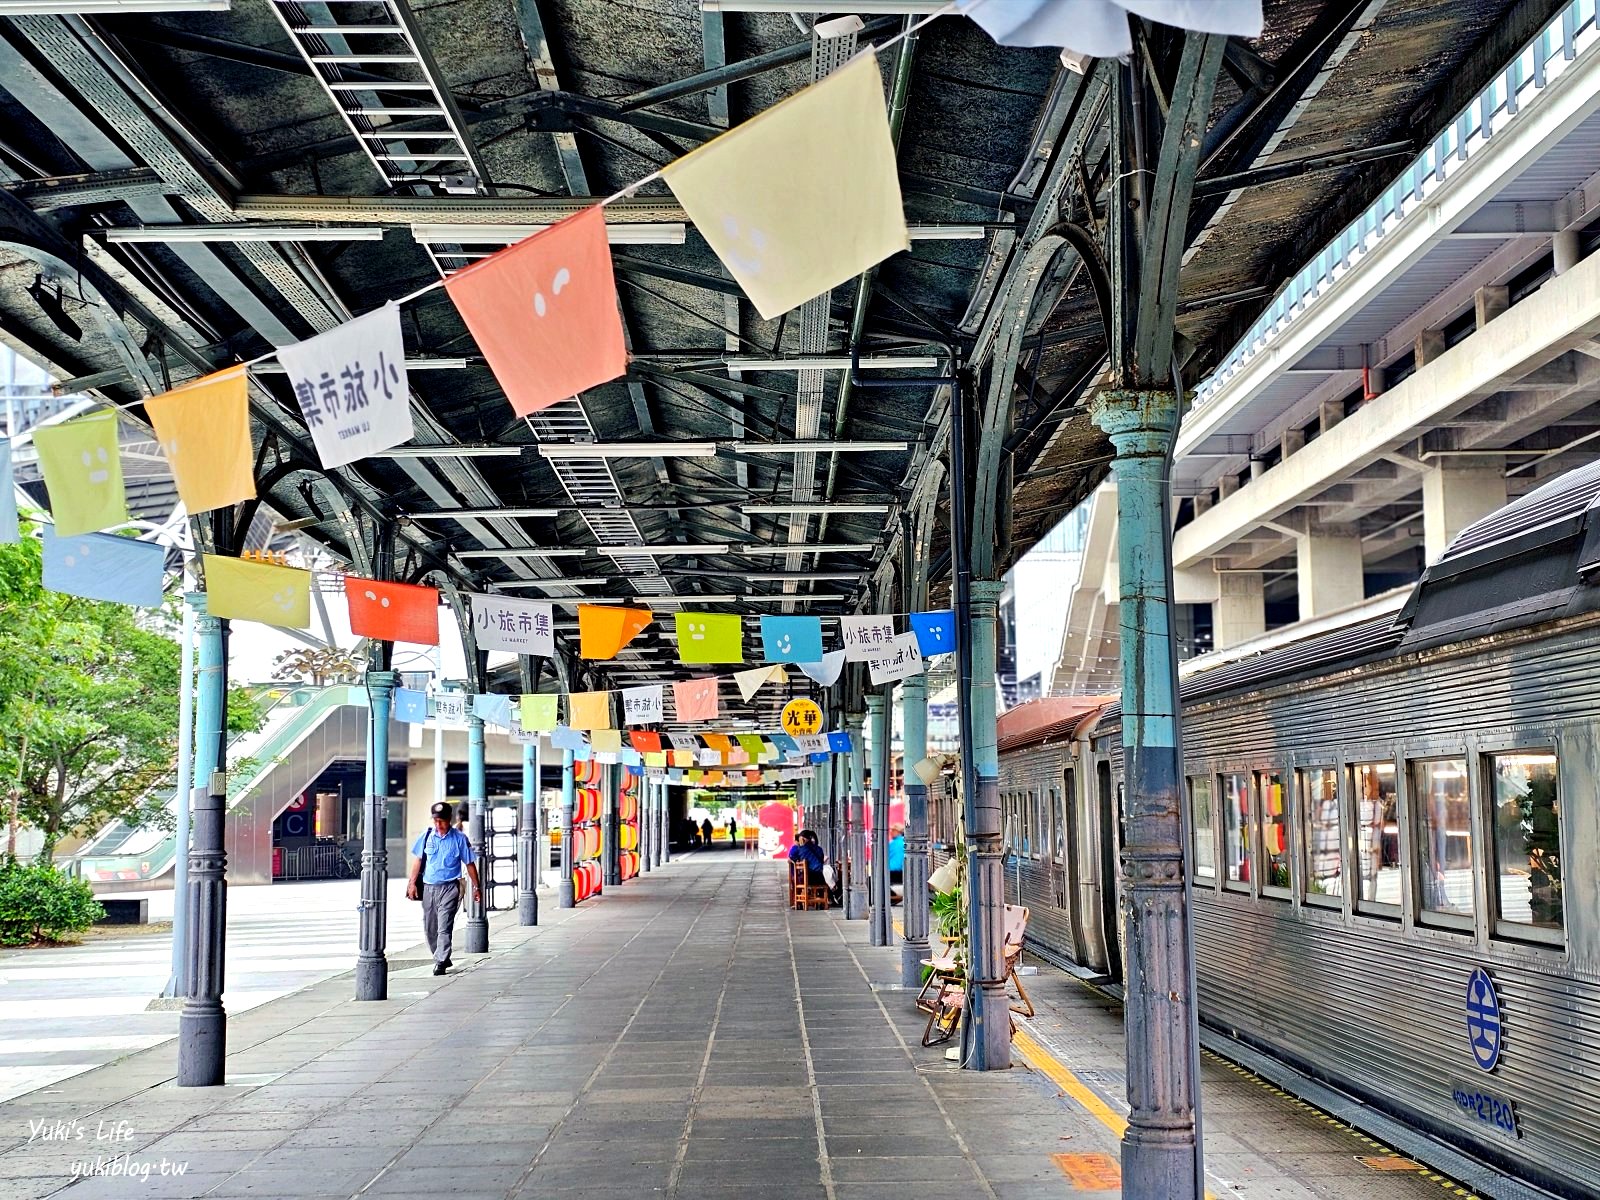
897,854
810,855
447,854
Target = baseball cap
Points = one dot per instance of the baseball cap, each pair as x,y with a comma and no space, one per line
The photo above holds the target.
442,809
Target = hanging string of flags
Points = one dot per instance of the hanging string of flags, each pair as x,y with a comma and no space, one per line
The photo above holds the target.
589,734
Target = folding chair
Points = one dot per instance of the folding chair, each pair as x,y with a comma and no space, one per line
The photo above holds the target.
1016,929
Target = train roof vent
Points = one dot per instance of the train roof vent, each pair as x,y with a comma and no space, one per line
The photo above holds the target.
1563,498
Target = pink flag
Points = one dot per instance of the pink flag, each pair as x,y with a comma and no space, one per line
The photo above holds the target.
696,699
544,312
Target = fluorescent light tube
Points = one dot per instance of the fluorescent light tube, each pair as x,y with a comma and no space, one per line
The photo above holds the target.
42,8
871,7
638,233
451,452
463,514
412,364
820,507
804,548
575,581
875,362
947,233
624,551
569,450
812,447
525,552
240,233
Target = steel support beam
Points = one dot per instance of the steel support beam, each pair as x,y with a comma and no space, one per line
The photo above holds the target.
477,939
372,966
203,1023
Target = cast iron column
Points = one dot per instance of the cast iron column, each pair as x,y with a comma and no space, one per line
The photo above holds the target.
528,838
838,806
202,1022
477,939
647,828
1159,1146
878,932
855,901
566,898
372,966
914,909
611,826
989,1020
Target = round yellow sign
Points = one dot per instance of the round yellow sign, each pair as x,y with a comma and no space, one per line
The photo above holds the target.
801,717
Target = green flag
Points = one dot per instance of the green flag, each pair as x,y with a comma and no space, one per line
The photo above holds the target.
539,712
710,638
83,472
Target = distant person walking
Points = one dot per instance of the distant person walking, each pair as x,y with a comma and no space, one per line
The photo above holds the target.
437,857
705,831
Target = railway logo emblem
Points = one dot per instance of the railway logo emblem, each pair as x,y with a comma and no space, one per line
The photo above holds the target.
1483,1019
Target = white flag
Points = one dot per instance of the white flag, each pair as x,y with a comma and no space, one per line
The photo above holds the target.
8,496
900,659
750,682
524,737
813,743
865,636
1099,28
350,384
686,743
450,708
643,705
510,623
827,671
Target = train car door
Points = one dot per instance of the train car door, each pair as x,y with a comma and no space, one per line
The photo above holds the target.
1110,796
1069,894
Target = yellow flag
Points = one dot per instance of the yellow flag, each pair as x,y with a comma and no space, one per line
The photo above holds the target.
590,710
255,591
204,430
804,196
606,741
83,472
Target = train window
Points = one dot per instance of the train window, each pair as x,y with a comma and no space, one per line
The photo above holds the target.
1203,826
1443,823
1319,801
1377,800
1274,833
1527,838
1236,828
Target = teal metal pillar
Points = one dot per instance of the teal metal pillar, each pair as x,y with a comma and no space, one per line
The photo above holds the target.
647,824
372,965
192,601
566,897
855,899
988,1027
528,865
477,939
915,913
879,931
610,826
203,1023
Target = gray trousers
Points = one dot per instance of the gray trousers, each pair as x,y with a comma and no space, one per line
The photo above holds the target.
439,904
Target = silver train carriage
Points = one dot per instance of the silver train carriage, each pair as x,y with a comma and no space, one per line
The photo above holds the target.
1392,838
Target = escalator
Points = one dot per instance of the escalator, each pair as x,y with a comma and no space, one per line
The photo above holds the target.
302,734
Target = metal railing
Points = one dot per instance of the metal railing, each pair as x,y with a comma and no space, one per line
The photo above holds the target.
1571,33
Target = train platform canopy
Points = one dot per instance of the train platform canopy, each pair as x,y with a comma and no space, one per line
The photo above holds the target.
184,190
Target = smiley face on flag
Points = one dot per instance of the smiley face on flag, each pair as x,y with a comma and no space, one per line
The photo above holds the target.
393,612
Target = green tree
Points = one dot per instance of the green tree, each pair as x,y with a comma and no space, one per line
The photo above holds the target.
89,706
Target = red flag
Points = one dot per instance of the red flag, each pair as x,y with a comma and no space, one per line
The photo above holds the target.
544,312
645,743
393,612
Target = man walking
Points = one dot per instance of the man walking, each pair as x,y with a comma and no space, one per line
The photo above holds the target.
437,857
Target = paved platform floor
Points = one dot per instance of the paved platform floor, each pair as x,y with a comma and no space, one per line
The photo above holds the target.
685,1035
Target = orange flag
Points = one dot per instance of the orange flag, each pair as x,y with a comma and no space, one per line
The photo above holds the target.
204,430
393,612
544,312
604,629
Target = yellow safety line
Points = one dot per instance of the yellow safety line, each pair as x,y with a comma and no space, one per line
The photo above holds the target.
1047,1064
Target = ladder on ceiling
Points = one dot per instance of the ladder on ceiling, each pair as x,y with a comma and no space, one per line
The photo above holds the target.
406,121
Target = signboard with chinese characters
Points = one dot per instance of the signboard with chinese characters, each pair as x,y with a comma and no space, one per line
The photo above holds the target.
801,716
865,636
350,384
509,623
450,708
900,659
643,705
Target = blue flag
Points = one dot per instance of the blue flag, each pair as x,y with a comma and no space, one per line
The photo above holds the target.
785,743
102,566
493,709
819,758
936,632
839,743
791,639
410,706
632,758
563,738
